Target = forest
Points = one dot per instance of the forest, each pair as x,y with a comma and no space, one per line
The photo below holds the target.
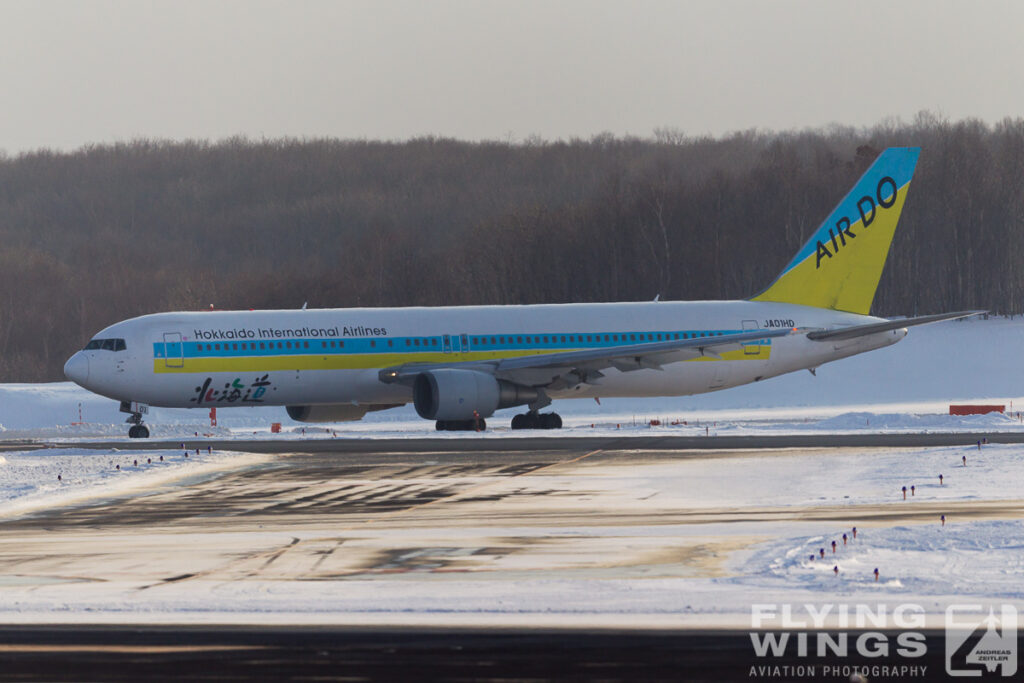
107,232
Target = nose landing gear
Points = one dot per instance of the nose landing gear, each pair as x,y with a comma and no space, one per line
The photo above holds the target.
138,431
135,412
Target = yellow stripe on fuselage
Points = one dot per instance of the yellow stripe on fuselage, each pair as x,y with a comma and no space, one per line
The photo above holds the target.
369,361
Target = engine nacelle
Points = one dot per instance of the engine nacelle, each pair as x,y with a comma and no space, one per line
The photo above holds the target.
336,412
450,394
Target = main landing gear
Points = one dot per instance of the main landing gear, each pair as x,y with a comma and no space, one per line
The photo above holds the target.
477,425
135,412
535,420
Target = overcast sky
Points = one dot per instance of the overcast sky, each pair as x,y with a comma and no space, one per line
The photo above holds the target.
79,72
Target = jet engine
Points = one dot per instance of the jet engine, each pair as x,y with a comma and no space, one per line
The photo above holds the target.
450,394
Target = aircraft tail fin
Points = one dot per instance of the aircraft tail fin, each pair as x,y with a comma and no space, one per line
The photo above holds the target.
840,266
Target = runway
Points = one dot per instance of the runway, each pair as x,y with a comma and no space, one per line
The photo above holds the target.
200,653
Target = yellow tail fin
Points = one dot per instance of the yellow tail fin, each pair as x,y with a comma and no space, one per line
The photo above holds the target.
841,264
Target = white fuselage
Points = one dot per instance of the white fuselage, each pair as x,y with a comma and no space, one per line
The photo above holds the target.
333,356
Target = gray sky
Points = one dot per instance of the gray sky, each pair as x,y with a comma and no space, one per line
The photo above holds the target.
79,72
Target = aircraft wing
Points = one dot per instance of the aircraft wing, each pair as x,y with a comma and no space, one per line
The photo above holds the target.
570,368
855,331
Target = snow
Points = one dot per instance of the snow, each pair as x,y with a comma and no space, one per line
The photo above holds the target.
28,480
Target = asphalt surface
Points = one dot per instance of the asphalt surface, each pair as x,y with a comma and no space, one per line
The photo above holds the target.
208,653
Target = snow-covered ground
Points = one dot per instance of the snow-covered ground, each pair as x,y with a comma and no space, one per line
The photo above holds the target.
44,479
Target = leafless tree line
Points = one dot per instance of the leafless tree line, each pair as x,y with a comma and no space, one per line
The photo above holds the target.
111,231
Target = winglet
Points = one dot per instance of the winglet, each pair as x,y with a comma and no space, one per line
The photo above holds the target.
840,266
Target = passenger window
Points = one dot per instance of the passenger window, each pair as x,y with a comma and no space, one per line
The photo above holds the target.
216,347
416,342
373,344
305,344
341,345
563,340
234,347
390,343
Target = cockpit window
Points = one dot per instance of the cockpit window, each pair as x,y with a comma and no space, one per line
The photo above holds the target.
106,345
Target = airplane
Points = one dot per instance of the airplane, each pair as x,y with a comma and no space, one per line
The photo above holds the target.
458,365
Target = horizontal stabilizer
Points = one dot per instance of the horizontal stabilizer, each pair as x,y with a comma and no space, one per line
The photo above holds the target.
874,328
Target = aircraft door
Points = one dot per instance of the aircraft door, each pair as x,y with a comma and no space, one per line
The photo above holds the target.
174,350
455,343
751,348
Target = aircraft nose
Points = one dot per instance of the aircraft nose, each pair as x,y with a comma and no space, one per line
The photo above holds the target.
77,369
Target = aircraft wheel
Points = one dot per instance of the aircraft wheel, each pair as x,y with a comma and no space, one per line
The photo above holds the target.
518,421
138,432
441,425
